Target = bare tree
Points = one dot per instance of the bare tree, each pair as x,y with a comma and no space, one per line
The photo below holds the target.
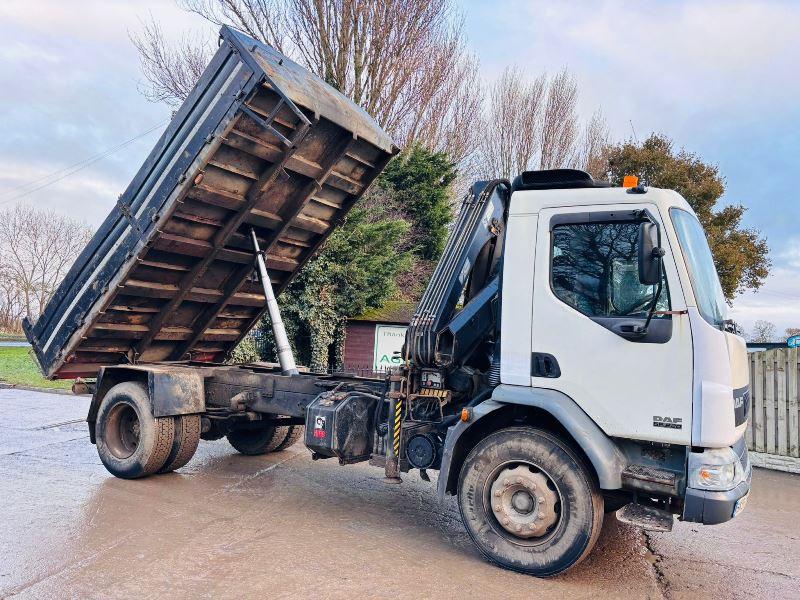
791,332
404,61
449,105
171,71
11,308
593,153
512,127
559,123
37,248
763,332
533,124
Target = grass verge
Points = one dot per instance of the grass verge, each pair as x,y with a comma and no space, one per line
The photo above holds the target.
11,337
18,367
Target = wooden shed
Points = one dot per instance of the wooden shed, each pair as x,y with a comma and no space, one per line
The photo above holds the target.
372,338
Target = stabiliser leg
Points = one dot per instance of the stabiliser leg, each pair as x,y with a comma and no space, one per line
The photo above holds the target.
395,395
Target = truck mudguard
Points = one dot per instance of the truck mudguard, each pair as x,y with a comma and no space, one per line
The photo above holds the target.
606,458
173,390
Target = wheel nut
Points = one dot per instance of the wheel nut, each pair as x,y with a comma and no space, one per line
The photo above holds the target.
519,479
506,521
541,500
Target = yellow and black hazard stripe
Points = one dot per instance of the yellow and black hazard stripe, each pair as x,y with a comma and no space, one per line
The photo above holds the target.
398,419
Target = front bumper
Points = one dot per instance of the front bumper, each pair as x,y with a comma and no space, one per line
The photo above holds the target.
711,508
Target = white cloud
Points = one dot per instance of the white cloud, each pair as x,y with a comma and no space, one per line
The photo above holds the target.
86,195
69,91
778,301
23,174
641,60
791,254
95,20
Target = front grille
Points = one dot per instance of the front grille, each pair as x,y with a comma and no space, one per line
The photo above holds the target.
741,404
740,448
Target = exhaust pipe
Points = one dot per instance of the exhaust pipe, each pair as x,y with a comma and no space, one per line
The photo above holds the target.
285,356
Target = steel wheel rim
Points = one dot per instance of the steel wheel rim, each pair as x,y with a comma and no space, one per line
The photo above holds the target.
123,430
526,509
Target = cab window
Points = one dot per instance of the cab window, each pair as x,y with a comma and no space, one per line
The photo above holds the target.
595,271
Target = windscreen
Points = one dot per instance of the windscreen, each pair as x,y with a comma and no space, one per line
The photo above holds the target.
700,263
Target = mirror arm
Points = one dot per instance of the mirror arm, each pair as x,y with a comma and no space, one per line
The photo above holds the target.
658,254
652,310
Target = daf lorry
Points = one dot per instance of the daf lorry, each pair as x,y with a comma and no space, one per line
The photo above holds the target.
571,355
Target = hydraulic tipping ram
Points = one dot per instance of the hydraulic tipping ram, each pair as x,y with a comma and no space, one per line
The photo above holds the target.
285,356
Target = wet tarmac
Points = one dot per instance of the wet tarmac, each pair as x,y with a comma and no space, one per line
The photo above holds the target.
282,526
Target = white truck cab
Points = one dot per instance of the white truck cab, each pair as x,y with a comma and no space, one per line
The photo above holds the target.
573,309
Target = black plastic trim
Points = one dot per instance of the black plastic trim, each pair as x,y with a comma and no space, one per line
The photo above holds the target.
712,508
544,365
595,217
741,404
555,179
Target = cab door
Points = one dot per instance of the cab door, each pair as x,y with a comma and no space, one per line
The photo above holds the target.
588,310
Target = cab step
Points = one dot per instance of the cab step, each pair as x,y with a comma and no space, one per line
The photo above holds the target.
650,479
649,474
646,517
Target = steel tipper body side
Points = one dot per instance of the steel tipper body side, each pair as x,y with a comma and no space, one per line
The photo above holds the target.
259,143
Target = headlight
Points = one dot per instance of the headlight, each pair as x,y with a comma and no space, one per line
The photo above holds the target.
716,477
716,469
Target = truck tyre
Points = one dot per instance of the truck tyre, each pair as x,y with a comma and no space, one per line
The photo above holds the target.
257,441
294,433
187,437
132,442
528,502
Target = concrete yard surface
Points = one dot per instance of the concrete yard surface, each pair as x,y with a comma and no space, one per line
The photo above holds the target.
284,526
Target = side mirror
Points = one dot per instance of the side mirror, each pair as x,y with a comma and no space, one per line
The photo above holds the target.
650,254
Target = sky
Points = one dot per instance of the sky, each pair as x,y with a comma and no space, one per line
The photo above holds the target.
720,78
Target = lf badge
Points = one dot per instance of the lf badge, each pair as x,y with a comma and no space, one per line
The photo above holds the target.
668,422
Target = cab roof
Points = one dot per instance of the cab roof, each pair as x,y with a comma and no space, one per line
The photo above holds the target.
531,201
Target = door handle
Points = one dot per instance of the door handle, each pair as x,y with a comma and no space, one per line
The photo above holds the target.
630,330
544,365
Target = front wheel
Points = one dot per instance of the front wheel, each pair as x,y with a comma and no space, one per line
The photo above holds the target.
528,502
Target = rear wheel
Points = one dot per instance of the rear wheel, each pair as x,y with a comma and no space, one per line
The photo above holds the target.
293,433
187,437
528,502
261,440
256,441
132,442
